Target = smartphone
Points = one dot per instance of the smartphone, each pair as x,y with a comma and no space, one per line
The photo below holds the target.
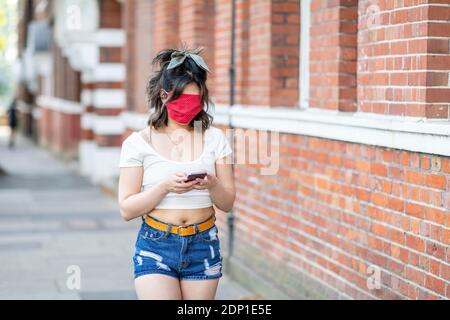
194,176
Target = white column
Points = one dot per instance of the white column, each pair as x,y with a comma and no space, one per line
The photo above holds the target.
305,23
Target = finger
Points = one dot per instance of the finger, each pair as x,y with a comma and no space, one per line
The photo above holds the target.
180,186
179,181
191,183
183,186
182,190
202,181
211,177
181,175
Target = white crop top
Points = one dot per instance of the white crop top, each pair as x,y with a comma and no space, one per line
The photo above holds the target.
137,152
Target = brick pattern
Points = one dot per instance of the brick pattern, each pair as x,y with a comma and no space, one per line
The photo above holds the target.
403,58
128,22
222,39
273,30
267,49
110,14
195,20
243,59
337,208
333,54
166,32
108,140
59,132
142,53
111,55
284,46
67,83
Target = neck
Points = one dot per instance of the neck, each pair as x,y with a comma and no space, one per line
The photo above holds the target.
173,125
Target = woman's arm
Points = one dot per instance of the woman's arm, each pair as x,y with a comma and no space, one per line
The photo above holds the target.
132,202
223,193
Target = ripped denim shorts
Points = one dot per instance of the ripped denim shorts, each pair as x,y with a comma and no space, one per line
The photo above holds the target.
193,257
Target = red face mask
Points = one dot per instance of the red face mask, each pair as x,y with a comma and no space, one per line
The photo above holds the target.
184,109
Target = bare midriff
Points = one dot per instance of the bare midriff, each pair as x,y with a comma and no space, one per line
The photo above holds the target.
182,217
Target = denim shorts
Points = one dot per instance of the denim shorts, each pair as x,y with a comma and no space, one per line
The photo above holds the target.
193,257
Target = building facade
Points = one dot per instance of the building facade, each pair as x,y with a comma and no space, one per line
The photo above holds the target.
355,94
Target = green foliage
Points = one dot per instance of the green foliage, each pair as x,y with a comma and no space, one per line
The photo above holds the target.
4,80
3,30
2,17
8,12
2,42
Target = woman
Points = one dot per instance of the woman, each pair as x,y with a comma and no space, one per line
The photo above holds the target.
12,122
177,242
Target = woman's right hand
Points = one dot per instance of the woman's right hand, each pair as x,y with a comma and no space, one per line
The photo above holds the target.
176,184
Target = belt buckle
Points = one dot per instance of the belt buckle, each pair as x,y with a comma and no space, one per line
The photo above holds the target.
178,229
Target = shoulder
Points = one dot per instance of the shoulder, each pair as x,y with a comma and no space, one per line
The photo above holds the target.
218,137
131,139
130,154
216,132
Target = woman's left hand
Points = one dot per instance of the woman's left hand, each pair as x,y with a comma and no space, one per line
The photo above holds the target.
208,182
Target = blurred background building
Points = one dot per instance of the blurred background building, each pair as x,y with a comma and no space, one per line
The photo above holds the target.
358,91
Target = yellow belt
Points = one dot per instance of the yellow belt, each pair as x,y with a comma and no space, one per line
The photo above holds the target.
181,230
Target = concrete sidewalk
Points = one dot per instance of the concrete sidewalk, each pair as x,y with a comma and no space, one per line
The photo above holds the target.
54,222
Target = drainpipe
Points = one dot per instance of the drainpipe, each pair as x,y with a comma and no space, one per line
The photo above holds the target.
230,218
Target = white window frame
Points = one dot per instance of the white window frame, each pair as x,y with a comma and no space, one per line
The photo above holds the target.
305,28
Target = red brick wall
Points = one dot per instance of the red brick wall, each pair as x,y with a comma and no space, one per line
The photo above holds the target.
165,19
44,127
110,14
284,46
403,58
333,54
222,39
139,28
195,21
67,82
242,59
267,49
335,208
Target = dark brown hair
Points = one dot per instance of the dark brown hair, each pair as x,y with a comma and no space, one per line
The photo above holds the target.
176,79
